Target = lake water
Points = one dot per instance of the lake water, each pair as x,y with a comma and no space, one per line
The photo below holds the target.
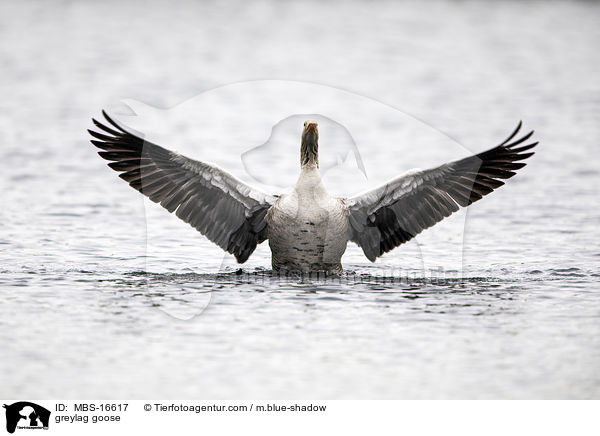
104,296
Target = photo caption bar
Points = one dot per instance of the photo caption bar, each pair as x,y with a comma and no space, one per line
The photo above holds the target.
278,417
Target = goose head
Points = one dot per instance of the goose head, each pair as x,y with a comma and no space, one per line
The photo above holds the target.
309,151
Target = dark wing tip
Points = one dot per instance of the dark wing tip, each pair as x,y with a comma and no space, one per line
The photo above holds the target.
113,123
106,129
519,141
524,147
512,135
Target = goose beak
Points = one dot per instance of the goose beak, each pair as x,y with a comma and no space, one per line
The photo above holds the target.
310,126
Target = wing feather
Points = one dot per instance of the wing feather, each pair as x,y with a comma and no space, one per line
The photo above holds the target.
224,209
396,212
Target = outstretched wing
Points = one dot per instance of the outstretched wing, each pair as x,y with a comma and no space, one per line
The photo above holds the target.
389,216
224,209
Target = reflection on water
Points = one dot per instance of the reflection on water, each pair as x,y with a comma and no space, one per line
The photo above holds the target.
88,311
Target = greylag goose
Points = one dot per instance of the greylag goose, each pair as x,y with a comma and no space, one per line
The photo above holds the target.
307,229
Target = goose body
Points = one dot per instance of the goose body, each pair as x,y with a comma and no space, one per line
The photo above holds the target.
308,230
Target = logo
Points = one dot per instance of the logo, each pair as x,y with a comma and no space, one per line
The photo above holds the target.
26,415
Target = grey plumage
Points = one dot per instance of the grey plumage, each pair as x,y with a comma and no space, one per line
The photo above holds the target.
224,209
391,215
307,229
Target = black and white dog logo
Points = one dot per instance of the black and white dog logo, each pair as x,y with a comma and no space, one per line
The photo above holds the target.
26,415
